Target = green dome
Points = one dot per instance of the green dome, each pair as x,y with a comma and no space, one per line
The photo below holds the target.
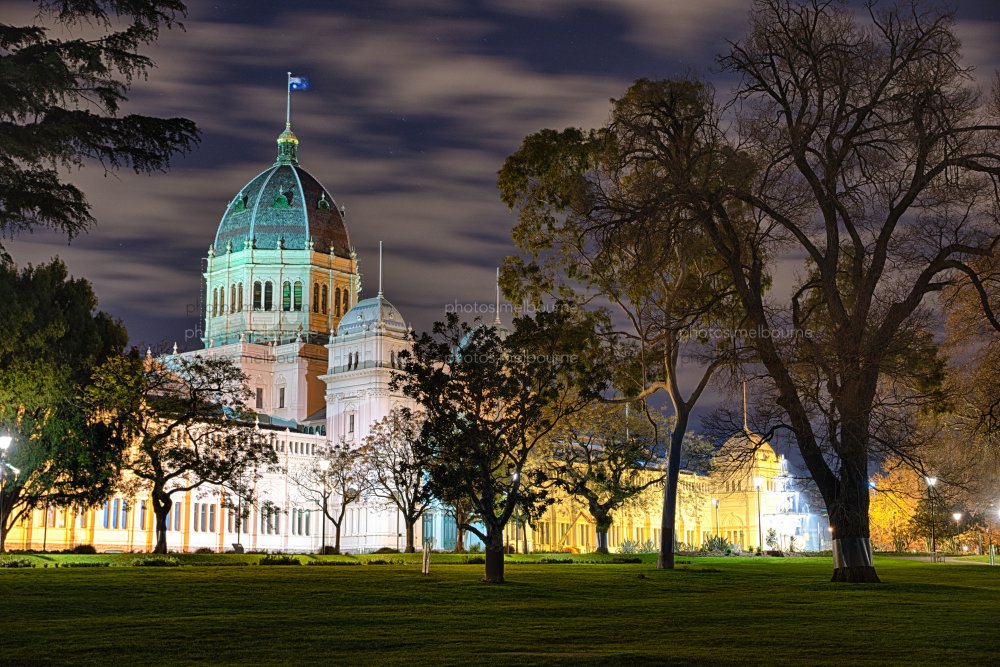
283,205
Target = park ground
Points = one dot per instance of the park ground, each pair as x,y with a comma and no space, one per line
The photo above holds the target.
707,612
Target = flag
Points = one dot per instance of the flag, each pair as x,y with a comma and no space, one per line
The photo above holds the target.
298,83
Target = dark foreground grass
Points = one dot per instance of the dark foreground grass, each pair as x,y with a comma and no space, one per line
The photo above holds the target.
710,612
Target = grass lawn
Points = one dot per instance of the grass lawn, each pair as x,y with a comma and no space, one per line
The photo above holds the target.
711,612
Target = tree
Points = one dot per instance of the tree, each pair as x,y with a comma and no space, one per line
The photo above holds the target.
339,471
392,470
896,494
595,227
51,339
490,397
187,424
606,458
60,103
875,156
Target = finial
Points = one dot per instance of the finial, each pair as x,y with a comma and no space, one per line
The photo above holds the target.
149,353
175,347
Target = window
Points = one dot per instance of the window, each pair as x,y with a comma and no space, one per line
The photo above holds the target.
281,397
315,297
268,296
232,298
114,515
124,514
297,294
323,301
286,296
239,300
142,515
83,516
257,295
204,517
222,300
259,398
350,423
194,517
336,302
177,515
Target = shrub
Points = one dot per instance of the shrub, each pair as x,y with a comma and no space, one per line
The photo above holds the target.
204,550
84,549
332,563
554,561
156,561
475,548
474,560
384,561
279,559
85,564
717,543
618,560
329,550
629,547
16,562
386,550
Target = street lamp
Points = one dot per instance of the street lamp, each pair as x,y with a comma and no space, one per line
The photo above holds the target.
931,482
957,516
5,441
715,504
759,482
324,466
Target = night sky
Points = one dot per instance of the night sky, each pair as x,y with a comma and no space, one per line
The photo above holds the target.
414,106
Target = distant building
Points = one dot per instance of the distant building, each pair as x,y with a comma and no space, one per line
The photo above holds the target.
282,286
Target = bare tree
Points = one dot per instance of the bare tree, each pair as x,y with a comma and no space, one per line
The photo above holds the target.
393,472
332,482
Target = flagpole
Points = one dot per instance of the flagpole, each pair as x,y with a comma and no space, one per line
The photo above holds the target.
288,101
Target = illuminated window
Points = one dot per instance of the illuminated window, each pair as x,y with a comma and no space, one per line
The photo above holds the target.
297,294
268,295
315,297
336,302
323,301
286,296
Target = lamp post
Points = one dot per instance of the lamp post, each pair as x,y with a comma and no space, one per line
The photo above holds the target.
324,466
5,441
715,504
957,516
931,482
759,482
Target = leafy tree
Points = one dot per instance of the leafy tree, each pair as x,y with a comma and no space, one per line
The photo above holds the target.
339,472
594,227
490,397
64,81
393,472
51,339
187,423
895,496
606,459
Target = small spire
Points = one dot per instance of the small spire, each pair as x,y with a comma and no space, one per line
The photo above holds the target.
496,320
746,427
175,347
380,269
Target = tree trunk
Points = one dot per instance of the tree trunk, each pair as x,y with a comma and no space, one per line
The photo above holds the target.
336,537
665,560
161,508
603,526
459,538
410,523
494,557
852,547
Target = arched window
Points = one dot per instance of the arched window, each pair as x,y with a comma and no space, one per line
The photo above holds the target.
268,295
315,297
222,300
214,303
297,305
232,298
326,297
336,301
239,302
257,295
286,296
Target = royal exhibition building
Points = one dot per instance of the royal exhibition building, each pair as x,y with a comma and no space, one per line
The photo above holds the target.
283,298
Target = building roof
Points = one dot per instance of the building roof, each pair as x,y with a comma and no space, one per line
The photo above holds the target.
284,205
369,314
